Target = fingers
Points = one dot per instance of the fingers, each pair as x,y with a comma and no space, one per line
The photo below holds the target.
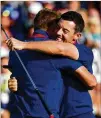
14,44
9,44
12,84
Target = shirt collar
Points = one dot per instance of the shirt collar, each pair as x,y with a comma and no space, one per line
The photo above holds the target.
40,31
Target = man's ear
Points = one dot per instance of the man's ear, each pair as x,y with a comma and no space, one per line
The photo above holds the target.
77,36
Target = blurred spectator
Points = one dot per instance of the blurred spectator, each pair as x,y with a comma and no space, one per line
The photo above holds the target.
6,22
61,7
74,5
96,98
94,31
93,12
28,10
14,27
94,41
33,9
84,14
48,4
5,75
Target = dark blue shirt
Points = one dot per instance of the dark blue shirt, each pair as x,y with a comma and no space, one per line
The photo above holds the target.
45,72
76,99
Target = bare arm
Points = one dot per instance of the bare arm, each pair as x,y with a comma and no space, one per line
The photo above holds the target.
49,47
54,47
86,77
60,48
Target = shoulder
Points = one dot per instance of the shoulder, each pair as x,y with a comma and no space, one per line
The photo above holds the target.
85,53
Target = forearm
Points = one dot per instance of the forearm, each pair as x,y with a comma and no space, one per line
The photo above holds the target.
44,46
86,77
54,48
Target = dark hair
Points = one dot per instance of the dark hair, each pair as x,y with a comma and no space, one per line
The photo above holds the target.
44,18
76,18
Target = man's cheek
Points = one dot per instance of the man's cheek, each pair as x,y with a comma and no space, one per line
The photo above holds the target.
64,38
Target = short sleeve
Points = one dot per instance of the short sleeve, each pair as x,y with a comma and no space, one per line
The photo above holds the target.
65,63
85,56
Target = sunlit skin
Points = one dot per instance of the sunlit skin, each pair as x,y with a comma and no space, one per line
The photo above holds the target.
66,31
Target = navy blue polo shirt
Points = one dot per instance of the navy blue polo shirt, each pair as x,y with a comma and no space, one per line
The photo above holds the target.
76,99
45,72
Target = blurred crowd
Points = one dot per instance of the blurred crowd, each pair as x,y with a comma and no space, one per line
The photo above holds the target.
17,19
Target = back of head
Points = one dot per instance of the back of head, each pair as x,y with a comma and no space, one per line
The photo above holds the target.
76,18
44,18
